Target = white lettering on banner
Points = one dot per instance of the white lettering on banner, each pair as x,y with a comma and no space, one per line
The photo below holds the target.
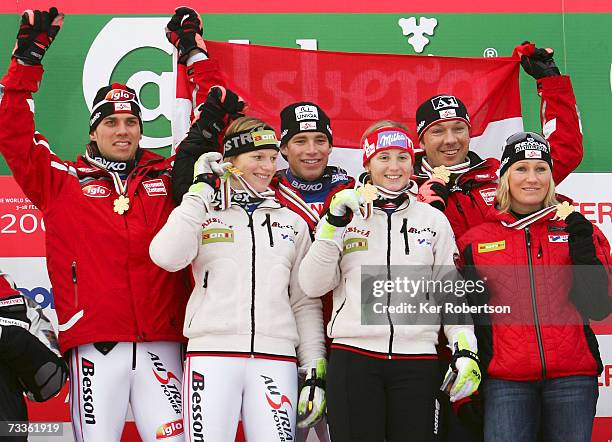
591,195
604,403
108,49
27,223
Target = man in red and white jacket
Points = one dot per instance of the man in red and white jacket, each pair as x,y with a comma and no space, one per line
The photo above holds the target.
443,128
120,316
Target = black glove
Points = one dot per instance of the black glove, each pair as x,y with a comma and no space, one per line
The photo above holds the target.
435,193
221,106
36,33
184,31
537,62
580,241
41,372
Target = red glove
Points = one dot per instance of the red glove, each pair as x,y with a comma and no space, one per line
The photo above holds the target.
184,31
36,33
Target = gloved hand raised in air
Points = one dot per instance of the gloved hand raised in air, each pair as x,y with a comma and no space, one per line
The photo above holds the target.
434,192
184,31
537,62
464,366
341,209
312,402
36,32
220,108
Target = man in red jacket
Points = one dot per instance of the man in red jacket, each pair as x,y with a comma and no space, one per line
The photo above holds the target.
443,128
120,316
457,181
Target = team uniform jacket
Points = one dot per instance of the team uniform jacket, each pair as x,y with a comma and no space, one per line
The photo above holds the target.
530,271
315,194
246,300
415,234
105,286
474,191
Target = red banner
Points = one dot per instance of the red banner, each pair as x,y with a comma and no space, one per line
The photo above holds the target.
357,89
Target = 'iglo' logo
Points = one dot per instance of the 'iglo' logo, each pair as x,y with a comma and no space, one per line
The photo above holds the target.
111,46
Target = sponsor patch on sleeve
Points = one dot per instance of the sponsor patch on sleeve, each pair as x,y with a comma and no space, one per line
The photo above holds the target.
488,195
484,247
155,187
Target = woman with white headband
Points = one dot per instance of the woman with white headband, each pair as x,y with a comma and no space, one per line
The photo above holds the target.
383,371
248,322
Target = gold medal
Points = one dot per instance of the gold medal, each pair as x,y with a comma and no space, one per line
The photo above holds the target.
368,192
441,172
234,170
564,209
121,205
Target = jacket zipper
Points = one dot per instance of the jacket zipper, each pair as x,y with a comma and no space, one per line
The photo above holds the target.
389,279
74,284
331,330
204,286
533,301
252,282
404,230
269,225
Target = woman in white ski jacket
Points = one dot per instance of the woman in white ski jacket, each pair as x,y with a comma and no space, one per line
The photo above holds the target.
247,320
383,369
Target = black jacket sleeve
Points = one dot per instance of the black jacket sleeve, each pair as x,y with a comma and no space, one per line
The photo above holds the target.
188,152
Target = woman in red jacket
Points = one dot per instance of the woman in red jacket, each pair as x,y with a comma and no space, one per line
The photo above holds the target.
546,269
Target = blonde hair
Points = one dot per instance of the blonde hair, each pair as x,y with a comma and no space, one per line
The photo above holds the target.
245,123
380,124
503,194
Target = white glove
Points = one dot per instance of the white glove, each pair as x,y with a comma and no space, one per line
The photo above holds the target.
204,172
331,227
312,402
209,162
464,364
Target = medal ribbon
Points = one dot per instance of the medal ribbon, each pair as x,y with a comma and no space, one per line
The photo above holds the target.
457,169
524,222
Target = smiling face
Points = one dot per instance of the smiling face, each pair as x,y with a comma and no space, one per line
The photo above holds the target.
446,143
307,154
390,169
258,167
117,137
528,182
